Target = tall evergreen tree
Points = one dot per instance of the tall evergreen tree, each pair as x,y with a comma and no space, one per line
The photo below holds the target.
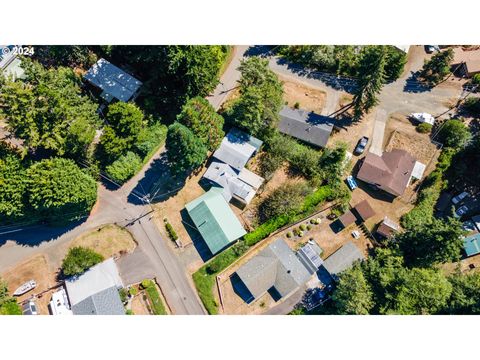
185,151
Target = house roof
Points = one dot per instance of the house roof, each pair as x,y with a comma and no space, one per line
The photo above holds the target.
275,266
237,148
95,281
232,182
471,59
215,220
391,171
112,80
105,302
364,210
309,256
347,219
307,126
387,227
471,244
343,258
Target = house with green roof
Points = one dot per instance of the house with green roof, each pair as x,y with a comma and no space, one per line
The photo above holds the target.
215,220
471,244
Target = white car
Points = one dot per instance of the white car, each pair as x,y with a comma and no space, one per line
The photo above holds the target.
423,118
462,210
459,197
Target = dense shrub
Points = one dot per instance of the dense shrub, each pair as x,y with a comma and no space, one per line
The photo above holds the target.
146,283
80,259
150,138
124,167
454,133
171,232
472,105
424,128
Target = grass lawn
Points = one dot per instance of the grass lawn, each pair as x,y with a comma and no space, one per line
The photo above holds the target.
107,240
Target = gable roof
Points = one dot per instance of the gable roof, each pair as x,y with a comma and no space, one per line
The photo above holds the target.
275,266
343,258
91,284
236,148
471,244
215,220
113,80
309,255
347,219
388,227
471,58
391,171
307,126
105,302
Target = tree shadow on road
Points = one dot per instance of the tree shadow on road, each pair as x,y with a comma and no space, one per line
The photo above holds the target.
414,85
35,235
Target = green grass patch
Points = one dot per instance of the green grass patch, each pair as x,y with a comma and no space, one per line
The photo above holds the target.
158,308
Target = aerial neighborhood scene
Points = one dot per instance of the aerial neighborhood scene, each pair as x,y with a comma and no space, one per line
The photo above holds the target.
239,180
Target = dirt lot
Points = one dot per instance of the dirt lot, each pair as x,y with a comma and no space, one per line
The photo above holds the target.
322,234
308,98
109,240
35,268
400,133
349,133
139,305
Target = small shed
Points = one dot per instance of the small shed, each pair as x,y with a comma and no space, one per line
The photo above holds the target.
364,210
347,219
471,244
387,227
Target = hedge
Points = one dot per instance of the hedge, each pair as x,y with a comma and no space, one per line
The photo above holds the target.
157,305
171,232
309,206
124,167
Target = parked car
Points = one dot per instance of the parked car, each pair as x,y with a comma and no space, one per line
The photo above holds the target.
459,197
352,184
462,210
361,145
469,226
430,49
29,308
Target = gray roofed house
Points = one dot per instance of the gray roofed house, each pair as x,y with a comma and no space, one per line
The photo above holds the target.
275,267
237,148
114,82
343,259
105,302
307,126
96,290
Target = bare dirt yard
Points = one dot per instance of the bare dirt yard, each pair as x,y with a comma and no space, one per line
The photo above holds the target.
36,268
139,305
322,234
307,97
109,240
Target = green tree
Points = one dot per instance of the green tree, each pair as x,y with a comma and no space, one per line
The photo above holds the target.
437,68
79,259
285,200
59,190
48,112
8,304
124,167
65,55
434,242
150,138
111,146
12,185
185,151
454,134
465,298
126,119
257,109
395,63
332,163
371,78
200,117
353,295
420,292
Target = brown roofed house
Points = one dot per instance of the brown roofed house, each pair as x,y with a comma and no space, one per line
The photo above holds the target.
347,219
390,172
364,210
467,62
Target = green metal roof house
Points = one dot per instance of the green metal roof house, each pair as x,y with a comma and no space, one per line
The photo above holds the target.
215,220
471,244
